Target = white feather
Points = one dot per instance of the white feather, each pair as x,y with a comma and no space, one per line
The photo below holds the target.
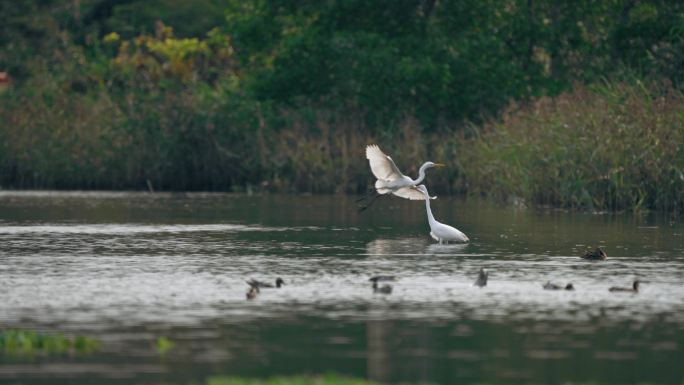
390,179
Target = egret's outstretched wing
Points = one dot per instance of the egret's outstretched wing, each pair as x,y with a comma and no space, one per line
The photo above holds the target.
411,193
383,166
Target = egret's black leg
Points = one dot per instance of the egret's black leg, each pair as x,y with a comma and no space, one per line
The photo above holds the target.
367,194
373,198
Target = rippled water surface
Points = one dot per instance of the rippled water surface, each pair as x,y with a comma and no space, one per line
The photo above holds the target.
127,268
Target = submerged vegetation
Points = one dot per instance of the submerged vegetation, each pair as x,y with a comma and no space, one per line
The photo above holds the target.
24,342
163,345
575,104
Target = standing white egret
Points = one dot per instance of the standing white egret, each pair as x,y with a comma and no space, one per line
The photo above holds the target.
390,179
439,231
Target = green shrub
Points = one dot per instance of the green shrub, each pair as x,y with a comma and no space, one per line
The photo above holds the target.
613,146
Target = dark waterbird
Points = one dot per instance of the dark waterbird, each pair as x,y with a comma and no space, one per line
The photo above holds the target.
481,278
264,285
253,292
380,278
552,286
384,289
633,289
595,255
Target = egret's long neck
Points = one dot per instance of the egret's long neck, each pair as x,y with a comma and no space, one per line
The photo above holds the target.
421,174
431,218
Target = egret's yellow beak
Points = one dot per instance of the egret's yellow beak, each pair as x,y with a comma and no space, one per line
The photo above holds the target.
439,165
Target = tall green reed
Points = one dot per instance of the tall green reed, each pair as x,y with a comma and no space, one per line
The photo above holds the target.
612,146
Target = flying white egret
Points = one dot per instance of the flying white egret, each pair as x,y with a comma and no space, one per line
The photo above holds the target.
439,231
390,179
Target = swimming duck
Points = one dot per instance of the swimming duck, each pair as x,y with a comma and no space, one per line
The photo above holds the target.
384,289
263,285
633,289
596,255
552,286
379,278
481,278
253,292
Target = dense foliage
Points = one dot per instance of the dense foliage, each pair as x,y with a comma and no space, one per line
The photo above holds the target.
219,94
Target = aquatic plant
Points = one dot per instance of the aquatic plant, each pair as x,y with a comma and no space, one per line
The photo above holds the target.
163,345
25,342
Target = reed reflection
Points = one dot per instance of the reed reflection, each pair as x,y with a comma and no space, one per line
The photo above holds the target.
378,354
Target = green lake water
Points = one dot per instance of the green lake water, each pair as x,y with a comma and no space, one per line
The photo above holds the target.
127,268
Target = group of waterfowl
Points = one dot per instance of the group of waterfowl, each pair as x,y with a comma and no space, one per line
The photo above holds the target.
481,281
599,255
594,255
391,181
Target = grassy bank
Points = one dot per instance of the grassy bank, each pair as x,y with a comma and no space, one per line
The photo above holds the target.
615,146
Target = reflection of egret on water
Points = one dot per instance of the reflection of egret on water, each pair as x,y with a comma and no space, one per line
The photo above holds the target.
394,247
446,248
412,247
390,179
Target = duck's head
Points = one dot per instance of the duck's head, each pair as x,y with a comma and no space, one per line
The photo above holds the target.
569,286
279,282
600,253
635,285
